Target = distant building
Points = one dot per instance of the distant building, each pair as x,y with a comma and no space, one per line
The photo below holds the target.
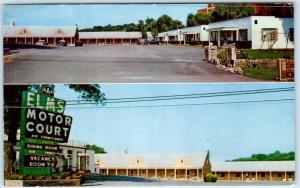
188,35
254,170
31,34
210,8
256,32
109,37
161,166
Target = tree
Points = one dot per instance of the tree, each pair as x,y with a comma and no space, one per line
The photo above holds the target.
202,19
96,148
191,21
164,23
231,11
12,112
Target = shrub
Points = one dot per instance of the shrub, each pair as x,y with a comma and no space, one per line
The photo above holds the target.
209,177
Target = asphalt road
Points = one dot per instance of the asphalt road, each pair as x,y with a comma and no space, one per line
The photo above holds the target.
98,180
118,63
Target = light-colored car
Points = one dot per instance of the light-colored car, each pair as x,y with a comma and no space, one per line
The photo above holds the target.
41,43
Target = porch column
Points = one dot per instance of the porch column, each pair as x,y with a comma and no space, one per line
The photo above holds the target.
202,174
228,176
255,175
270,175
165,173
107,171
285,175
237,35
48,40
155,173
186,174
138,172
197,173
129,40
184,39
54,41
209,38
147,172
175,174
104,40
122,40
242,176
126,172
116,172
219,38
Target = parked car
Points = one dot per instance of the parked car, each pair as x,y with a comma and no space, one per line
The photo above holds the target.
142,42
62,43
152,41
41,43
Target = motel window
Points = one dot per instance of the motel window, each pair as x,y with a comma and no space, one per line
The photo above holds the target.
222,174
279,175
243,33
269,34
263,174
253,174
255,21
291,34
238,175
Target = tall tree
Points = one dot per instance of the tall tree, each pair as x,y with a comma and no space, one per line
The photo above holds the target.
164,23
191,21
202,19
12,111
231,11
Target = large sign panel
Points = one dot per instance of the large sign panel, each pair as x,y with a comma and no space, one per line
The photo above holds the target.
43,126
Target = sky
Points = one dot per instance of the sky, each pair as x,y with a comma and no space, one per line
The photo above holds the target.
89,15
228,131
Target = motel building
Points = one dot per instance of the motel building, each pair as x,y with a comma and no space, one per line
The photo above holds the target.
157,166
188,35
31,34
111,37
255,32
254,171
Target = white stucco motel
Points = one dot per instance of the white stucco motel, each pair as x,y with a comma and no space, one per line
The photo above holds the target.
258,32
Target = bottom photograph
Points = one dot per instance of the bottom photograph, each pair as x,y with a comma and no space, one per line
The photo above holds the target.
149,134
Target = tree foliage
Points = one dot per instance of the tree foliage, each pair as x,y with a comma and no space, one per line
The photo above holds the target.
276,156
231,11
162,24
96,148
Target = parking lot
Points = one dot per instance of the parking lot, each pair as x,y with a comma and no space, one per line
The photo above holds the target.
113,63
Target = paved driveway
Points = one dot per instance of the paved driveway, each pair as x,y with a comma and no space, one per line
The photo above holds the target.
98,180
118,63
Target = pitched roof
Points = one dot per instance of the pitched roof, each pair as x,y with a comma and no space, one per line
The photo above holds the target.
39,31
158,161
252,166
109,35
194,29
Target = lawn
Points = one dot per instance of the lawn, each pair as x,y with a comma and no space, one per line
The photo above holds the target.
266,54
261,73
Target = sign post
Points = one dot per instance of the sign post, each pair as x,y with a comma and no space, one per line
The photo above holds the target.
43,126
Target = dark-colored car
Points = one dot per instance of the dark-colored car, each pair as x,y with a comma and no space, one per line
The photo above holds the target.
153,42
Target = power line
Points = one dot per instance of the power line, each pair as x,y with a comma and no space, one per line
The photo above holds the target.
177,96
176,105
189,96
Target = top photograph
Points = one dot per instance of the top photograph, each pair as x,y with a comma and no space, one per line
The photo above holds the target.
148,43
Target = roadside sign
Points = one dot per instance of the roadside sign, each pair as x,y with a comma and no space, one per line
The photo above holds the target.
43,126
